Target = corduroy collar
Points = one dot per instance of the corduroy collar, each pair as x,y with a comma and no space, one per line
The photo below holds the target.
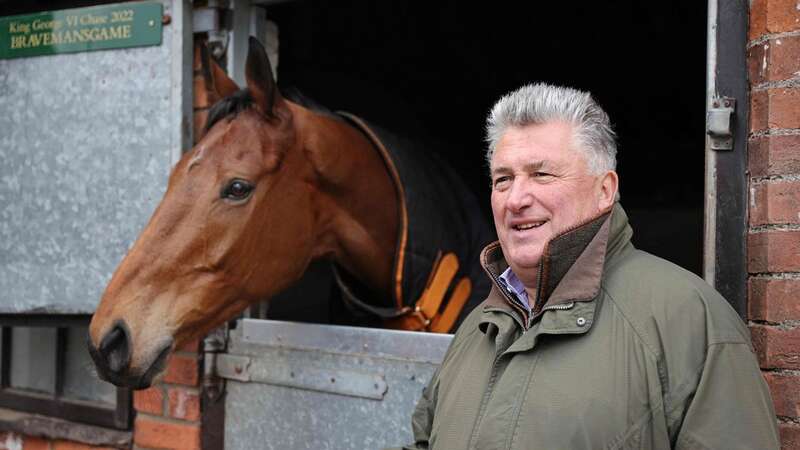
572,263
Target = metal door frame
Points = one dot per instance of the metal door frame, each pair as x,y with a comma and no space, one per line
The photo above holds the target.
725,234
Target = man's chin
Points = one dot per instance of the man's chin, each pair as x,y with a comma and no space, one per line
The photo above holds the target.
524,263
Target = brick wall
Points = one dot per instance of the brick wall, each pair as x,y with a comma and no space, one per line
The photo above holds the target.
774,235
168,414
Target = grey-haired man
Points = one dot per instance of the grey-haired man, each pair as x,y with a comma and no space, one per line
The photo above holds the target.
584,341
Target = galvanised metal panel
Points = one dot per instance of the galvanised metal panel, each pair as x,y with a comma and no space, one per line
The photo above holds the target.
284,404
86,144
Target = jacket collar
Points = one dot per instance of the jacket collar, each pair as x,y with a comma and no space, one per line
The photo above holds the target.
572,265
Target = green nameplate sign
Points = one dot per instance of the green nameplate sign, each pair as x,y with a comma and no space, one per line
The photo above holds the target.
81,29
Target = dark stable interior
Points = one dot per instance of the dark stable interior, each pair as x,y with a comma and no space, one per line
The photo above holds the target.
432,71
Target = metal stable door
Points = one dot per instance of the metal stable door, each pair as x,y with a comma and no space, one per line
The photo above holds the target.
295,386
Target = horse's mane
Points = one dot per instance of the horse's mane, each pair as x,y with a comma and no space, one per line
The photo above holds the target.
229,107
241,100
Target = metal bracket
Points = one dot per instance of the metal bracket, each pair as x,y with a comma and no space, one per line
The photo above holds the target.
719,124
213,345
214,20
206,19
301,376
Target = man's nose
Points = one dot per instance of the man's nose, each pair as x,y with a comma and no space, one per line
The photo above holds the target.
520,196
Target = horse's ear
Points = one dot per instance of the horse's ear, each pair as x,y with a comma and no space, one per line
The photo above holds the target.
221,83
260,81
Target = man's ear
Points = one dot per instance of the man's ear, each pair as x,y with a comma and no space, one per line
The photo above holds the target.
609,184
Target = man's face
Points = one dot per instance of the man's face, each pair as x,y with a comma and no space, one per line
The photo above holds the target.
541,186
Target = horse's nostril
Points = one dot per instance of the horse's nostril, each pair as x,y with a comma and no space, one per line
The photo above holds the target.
115,348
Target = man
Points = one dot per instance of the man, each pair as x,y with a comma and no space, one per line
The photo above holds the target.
585,342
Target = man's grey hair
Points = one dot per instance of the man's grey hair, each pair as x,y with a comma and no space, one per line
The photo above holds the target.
541,103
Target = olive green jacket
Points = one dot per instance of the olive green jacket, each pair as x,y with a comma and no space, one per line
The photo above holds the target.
622,350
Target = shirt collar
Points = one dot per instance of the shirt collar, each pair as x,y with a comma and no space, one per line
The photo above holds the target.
511,282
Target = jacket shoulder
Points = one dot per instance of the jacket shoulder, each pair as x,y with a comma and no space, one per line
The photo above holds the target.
663,299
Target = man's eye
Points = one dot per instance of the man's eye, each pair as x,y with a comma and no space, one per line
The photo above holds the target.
237,190
541,174
501,181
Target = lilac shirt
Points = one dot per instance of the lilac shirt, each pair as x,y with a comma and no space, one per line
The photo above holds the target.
514,285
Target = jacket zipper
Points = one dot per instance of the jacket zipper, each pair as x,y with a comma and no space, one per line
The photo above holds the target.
541,280
560,307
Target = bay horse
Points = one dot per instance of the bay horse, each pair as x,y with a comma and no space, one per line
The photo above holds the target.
270,187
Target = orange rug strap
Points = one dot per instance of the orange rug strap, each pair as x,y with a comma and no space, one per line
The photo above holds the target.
425,316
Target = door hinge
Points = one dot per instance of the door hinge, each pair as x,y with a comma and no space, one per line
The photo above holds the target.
213,345
719,123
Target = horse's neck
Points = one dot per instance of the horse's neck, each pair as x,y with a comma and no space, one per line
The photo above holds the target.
357,201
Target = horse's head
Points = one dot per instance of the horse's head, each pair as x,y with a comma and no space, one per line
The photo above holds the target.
246,190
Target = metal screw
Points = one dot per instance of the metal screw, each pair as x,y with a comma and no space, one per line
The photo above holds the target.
151,22
581,321
237,369
727,103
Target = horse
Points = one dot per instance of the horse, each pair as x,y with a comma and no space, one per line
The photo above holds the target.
270,187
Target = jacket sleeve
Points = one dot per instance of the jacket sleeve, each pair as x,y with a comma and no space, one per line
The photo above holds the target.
731,407
422,418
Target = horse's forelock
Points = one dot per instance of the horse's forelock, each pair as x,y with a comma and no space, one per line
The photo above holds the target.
229,107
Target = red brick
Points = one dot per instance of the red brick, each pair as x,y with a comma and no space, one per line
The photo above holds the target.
34,443
759,111
784,108
184,404
757,63
783,61
773,251
776,348
191,346
773,300
774,60
782,15
773,16
182,370
775,202
758,19
774,155
759,206
785,390
775,109
790,436
149,400
70,445
148,432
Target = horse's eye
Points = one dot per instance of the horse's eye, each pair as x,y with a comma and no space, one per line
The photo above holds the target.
237,190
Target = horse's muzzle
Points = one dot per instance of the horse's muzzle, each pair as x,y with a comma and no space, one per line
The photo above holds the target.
112,359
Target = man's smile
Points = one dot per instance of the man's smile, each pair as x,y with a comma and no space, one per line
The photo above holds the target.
527,225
